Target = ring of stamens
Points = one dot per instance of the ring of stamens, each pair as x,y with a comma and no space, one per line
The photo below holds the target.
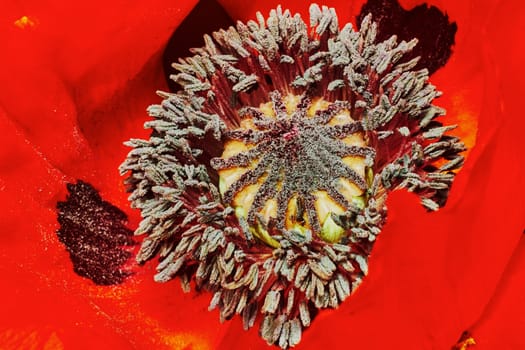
294,163
299,173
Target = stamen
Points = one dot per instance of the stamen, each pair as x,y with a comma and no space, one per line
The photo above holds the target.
265,178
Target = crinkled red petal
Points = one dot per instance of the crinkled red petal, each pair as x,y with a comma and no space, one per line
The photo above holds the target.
76,79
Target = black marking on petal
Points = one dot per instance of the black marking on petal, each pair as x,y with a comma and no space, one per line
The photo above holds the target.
435,34
189,34
94,234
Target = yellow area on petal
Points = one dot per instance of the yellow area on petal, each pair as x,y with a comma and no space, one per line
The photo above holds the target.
156,333
19,339
29,340
464,344
53,343
465,114
181,341
466,130
25,22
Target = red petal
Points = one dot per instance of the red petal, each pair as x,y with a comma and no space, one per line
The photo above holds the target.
76,79
65,76
501,325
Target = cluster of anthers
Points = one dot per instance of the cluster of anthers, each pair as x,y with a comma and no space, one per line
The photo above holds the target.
265,177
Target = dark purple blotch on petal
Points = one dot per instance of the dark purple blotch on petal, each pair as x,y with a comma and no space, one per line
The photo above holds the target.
206,17
429,25
95,235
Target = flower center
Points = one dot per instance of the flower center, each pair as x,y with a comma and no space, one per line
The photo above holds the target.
332,121
295,163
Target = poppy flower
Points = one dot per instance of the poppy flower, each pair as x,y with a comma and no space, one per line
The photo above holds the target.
72,97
